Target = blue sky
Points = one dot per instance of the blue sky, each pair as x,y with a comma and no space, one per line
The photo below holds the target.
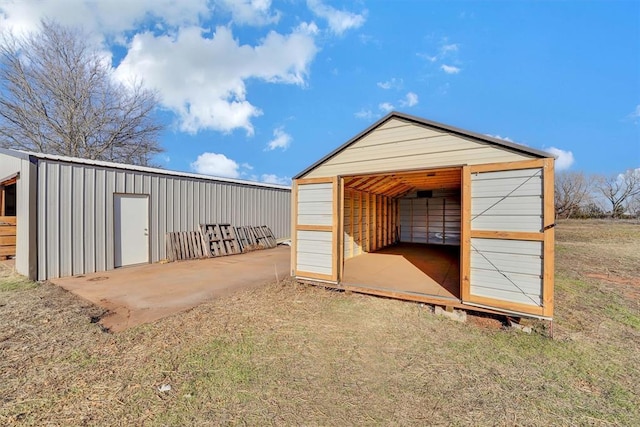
261,89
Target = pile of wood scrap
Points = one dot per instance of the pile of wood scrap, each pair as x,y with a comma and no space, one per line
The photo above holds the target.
214,240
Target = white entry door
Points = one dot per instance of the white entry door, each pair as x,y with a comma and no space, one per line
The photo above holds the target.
131,228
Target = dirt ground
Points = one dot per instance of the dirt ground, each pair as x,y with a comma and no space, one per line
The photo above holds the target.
141,294
289,354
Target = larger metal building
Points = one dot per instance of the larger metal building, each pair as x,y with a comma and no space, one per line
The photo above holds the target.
423,211
77,216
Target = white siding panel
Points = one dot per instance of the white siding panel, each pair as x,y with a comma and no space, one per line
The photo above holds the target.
508,263
516,247
507,200
509,270
516,297
315,206
434,220
314,252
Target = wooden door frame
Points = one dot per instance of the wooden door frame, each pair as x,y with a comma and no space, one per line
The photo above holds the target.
334,228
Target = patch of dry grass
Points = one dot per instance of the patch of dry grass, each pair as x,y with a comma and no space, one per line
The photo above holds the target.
293,354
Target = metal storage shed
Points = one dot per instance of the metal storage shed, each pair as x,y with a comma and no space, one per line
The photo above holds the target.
77,216
422,211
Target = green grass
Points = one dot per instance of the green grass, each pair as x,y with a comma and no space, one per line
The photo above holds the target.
15,283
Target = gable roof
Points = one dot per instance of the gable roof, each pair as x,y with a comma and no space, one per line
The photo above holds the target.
26,155
433,125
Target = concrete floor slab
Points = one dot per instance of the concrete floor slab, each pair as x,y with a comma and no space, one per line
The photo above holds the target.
146,293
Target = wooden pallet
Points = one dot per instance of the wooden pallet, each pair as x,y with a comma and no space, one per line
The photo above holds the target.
183,245
221,239
253,238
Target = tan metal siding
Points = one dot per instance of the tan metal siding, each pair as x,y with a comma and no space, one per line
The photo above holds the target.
75,212
509,270
398,145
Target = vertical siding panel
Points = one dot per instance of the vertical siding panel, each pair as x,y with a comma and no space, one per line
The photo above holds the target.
89,232
100,219
111,186
66,235
77,205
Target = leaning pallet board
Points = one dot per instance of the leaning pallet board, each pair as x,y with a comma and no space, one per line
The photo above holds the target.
221,239
271,239
183,245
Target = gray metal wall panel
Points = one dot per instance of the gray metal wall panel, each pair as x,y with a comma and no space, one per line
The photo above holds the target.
435,220
26,250
507,200
75,212
509,270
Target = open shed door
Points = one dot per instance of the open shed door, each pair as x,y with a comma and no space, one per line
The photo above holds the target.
507,236
315,222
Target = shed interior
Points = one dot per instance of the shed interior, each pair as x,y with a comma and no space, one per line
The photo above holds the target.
401,232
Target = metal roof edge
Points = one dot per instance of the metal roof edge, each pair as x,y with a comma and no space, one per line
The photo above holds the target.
424,122
123,166
14,153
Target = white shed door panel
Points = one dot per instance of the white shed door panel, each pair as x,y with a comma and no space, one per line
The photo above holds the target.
316,230
507,200
315,204
509,270
131,228
314,252
506,245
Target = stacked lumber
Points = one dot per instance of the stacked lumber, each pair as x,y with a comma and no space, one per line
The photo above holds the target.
7,237
185,245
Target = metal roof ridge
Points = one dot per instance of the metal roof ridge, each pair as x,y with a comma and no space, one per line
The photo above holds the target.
138,168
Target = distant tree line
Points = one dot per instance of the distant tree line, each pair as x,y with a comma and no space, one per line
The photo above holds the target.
578,195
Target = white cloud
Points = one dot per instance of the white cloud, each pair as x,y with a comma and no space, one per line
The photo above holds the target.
504,138
450,69
281,139
270,178
410,100
364,114
339,20
202,79
391,84
386,107
430,58
250,12
635,114
446,48
564,159
216,165
200,75
100,17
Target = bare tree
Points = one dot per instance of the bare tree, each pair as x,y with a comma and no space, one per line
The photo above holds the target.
620,190
58,96
572,191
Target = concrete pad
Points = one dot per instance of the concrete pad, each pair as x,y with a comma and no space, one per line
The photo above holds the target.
146,293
